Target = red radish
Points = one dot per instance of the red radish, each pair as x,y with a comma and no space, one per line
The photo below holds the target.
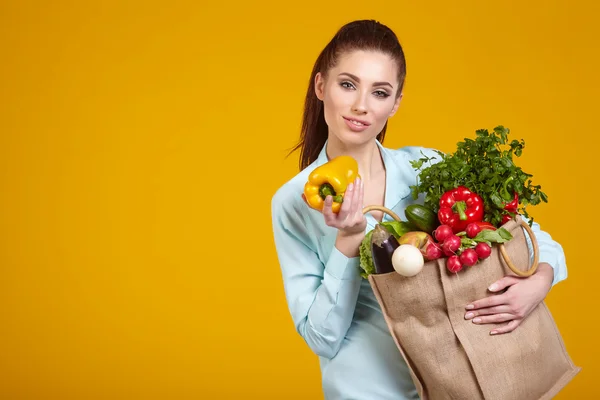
442,232
469,257
472,230
453,264
433,251
451,245
483,250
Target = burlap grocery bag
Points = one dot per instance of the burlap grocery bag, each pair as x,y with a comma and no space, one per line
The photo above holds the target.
452,358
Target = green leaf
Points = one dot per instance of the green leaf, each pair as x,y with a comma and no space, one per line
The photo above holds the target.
500,235
497,200
418,163
397,228
366,258
504,234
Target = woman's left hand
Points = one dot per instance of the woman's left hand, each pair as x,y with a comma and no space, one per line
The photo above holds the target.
514,305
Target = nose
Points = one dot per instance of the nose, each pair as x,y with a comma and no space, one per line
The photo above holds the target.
360,104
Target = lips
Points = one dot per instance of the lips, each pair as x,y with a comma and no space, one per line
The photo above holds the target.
356,125
359,121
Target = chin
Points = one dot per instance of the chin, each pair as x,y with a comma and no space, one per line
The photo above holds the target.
354,138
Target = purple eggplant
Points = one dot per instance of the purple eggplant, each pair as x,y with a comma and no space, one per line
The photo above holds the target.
383,244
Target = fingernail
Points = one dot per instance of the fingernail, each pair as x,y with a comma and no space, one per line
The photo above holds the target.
350,186
470,307
493,332
469,315
493,287
477,320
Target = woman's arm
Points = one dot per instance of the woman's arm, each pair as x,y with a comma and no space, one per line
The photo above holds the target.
321,297
551,252
523,294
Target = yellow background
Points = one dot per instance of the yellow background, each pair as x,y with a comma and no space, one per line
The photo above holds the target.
140,145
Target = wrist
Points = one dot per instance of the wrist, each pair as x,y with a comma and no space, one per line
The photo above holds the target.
348,244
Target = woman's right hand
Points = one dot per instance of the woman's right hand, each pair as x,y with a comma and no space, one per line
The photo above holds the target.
350,220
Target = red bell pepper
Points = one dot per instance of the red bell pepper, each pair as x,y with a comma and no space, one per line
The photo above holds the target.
513,205
459,207
512,201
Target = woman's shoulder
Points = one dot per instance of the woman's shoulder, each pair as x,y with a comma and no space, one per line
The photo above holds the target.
405,158
288,196
412,153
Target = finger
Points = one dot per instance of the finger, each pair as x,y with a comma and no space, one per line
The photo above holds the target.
361,198
490,301
493,319
503,283
361,204
357,198
506,328
346,203
327,211
488,311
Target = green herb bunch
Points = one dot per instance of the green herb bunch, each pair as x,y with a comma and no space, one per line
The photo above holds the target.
486,166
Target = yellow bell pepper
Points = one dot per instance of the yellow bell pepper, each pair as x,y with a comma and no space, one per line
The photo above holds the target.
331,178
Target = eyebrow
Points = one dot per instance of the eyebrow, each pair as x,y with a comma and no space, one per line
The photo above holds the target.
357,79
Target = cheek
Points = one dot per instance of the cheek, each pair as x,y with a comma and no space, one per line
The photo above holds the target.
336,98
335,103
381,110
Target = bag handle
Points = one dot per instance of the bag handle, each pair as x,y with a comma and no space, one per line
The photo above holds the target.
515,270
536,253
381,208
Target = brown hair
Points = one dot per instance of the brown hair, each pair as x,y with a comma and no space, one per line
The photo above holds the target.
356,35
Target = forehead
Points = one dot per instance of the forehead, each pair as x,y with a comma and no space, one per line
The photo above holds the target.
368,66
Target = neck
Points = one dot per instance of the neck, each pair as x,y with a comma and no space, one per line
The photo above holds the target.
366,155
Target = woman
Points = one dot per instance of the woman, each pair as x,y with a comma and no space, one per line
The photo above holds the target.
355,86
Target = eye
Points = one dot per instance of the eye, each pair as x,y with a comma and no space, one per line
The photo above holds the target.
382,94
347,85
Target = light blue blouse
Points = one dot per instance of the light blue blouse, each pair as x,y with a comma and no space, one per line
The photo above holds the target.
332,307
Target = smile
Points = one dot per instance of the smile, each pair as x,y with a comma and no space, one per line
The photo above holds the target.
356,126
356,122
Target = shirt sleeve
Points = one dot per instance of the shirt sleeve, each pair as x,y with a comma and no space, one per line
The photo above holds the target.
551,251
321,297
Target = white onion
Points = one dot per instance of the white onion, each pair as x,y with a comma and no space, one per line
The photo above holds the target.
407,260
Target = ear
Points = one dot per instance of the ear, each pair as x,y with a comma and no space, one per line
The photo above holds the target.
319,86
396,105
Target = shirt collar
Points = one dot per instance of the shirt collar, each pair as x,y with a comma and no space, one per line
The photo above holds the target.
396,187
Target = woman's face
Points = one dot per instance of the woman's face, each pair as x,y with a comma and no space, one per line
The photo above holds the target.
359,95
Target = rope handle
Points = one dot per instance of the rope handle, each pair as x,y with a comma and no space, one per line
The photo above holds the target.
381,208
511,266
536,253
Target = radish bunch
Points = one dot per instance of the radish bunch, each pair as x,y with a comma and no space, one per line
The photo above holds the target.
461,252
